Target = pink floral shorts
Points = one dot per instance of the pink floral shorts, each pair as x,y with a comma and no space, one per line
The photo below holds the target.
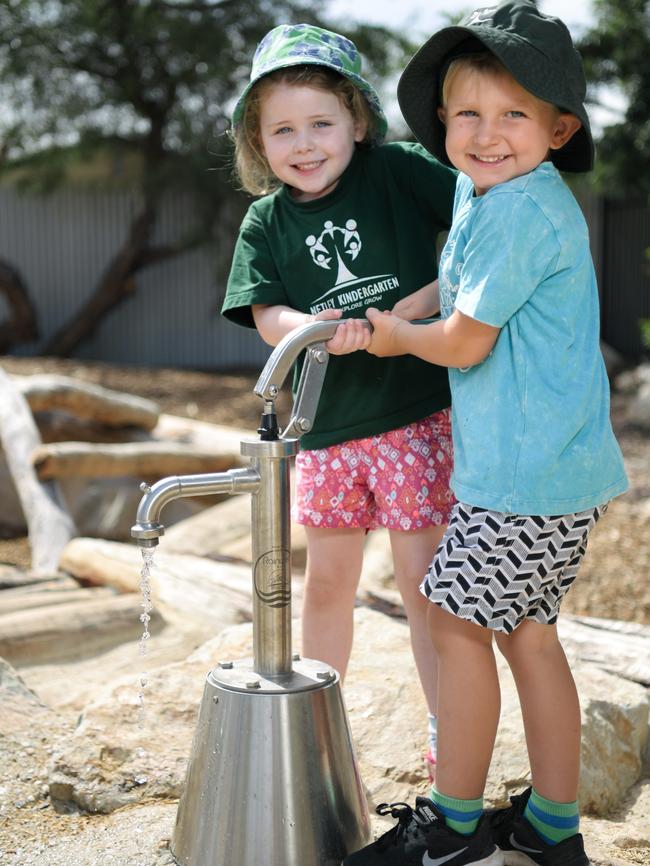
398,479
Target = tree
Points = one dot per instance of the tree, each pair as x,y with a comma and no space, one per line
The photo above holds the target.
152,79
617,53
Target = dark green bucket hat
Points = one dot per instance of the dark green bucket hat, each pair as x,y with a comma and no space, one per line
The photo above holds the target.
307,45
536,49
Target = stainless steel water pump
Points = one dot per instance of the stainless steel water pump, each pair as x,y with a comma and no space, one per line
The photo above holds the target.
272,778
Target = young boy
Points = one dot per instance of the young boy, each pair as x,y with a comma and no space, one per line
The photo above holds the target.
535,458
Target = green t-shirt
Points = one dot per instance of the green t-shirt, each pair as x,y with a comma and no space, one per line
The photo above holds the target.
368,243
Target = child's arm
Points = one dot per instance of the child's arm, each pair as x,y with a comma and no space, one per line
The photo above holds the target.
274,321
419,305
458,341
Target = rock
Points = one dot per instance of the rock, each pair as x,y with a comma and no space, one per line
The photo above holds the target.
630,380
111,761
101,764
614,738
621,648
17,701
638,410
625,836
69,686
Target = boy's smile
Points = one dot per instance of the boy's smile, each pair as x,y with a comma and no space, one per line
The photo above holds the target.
497,130
308,137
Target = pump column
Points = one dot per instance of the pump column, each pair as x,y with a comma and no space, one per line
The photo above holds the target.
271,542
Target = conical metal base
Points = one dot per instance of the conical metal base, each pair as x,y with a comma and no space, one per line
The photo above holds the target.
272,778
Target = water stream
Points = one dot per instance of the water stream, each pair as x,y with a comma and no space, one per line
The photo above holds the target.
145,618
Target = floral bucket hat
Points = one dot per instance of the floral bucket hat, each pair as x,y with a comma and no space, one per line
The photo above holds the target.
307,45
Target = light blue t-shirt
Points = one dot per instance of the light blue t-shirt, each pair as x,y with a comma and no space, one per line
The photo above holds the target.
531,426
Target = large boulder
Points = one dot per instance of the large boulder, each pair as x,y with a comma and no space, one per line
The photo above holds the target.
111,761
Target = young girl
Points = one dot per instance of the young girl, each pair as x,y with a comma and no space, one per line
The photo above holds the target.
345,223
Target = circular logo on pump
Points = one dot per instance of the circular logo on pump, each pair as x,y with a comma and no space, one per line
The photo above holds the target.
270,577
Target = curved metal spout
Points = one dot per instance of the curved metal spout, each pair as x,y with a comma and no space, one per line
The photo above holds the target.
148,529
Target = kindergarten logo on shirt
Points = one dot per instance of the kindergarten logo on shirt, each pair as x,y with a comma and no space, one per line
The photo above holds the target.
335,249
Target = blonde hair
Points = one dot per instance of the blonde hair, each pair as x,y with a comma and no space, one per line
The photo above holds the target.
481,62
251,165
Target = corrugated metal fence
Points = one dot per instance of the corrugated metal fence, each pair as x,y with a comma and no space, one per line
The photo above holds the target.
61,244
625,278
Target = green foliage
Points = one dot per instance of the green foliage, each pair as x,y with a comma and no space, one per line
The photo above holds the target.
152,77
644,327
617,52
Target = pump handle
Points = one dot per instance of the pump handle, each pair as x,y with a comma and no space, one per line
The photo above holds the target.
310,338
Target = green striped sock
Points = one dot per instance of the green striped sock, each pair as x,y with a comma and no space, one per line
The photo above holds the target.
552,821
460,815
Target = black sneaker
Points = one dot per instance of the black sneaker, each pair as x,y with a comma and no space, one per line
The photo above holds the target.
523,846
421,838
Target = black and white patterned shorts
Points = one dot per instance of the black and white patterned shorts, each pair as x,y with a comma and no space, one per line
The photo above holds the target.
497,569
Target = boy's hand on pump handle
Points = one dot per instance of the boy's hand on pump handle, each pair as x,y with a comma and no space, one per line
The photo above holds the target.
384,328
353,334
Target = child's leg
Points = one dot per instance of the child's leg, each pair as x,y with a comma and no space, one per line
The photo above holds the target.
334,558
549,705
469,703
412,555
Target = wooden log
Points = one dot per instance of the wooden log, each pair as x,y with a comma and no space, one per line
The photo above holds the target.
49,524
213,531
224,531
148,460
12,600
200,434
28,583
69,632
45,392
61,427
185,588
11,575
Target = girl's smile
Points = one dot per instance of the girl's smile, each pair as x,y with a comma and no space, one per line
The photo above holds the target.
308,137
